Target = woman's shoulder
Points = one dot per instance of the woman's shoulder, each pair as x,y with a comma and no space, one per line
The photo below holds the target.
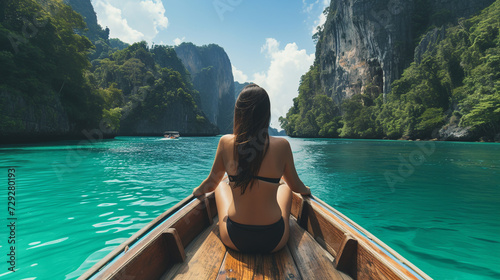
228,138
278,139
279,142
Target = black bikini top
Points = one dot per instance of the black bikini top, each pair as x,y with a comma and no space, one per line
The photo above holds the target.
265,179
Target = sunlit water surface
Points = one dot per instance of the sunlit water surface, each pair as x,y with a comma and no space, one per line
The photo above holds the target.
435,203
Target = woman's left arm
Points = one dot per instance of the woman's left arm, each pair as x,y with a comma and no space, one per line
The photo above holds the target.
216,174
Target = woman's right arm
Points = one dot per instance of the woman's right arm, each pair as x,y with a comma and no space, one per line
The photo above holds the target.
290,174
216,174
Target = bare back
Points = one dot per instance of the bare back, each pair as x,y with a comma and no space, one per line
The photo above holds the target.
258,205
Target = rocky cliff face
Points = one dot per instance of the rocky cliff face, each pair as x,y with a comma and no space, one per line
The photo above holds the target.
368,43
238,88
23,119
179,117
86,10
212,77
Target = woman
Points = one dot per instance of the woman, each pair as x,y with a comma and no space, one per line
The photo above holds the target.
254,208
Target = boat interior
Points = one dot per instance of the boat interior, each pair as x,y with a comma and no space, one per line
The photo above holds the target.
184,243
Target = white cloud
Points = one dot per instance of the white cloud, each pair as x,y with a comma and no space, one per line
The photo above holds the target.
239,76
178,41
110,16
313,8
308,7
281,80
271,46
319,22
132,20
157,11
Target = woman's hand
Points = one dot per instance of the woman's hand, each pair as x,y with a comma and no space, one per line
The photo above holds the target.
198,191
307,193
204,188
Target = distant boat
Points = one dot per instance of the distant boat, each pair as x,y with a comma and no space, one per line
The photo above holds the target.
184,243
171,134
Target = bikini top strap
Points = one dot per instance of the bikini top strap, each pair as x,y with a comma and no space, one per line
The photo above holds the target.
269,180
233,178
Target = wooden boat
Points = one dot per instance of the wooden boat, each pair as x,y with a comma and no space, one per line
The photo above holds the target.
171,134
184,243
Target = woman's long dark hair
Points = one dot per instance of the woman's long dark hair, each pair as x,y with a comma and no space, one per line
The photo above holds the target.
252,114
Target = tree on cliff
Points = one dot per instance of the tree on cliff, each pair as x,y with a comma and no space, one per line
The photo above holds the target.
151,81
45,67
455,83
42,58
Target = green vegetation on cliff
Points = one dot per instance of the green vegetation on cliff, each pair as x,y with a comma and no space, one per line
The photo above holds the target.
55,81
313,114
41,58
455,85
143,83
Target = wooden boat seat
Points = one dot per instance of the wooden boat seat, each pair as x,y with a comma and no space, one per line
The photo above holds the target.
302,258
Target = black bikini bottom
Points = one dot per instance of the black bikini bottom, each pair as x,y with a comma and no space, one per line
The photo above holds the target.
255,238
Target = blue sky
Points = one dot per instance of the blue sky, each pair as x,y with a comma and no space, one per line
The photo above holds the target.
268,42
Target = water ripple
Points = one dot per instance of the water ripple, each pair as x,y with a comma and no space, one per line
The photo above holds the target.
113,221
48,243
443,217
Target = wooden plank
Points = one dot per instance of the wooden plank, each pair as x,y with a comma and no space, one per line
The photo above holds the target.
296,205
370,259
346,260
371,266
154,259
203,257
279,265
149,262
174,244
125,245
325,232
312,260
188,222
194,220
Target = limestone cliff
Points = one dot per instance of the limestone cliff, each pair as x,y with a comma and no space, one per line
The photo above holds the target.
238,87
180,116
368,43
48,91
356,87
24,120
93,31
38,93
212,77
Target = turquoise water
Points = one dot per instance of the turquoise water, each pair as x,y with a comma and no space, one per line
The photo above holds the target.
437,204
